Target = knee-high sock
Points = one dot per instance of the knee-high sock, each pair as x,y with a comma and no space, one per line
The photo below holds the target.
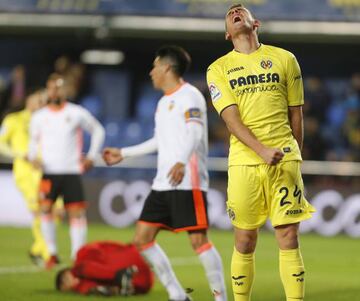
39,246
78,234
163,270
242,275
292,274
212,263
49,233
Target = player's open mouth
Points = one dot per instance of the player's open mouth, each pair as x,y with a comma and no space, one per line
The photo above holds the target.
236,19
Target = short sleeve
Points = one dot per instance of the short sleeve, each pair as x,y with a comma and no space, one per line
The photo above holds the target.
193,107
218,87
295,89
87,120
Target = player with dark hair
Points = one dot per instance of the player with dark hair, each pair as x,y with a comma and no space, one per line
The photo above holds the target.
257,89
106,268
56,148
177,201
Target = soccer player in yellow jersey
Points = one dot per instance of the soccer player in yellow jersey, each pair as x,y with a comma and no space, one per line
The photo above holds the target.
14,140
257,90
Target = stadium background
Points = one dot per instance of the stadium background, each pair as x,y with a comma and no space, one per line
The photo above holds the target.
42,36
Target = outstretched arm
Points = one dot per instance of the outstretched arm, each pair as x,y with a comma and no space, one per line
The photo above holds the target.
112,155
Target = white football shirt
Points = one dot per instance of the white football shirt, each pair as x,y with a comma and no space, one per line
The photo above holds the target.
57,136
186,104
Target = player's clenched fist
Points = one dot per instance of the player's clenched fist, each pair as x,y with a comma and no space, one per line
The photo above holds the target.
112,155
272,156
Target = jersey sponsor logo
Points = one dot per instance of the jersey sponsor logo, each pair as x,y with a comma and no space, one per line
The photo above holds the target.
193,113
256,89
235,69
266,64
252,79
214,92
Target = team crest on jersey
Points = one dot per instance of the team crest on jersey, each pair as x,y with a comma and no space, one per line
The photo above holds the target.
171,105
214,92
231,213
266,64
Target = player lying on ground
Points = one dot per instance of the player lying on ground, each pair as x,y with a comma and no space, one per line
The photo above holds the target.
106,268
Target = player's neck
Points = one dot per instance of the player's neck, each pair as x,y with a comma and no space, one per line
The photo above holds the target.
246,43
54,106
173,85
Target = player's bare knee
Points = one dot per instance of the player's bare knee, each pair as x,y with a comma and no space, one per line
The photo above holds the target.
45,209
245,241
198,239
245,246
287,236
140,240
76,213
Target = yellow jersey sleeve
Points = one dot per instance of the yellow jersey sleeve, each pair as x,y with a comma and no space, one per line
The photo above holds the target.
220,94
5,131
295,89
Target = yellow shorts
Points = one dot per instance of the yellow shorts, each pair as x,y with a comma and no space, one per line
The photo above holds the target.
28,184
258,192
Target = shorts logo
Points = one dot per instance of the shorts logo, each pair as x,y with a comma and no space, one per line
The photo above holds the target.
231,214
214,92
294,211
266,64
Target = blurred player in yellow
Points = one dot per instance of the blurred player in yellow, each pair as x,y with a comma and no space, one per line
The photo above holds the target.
257,90
14,141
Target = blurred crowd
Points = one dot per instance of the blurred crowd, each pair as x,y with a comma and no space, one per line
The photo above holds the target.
331,111
332,119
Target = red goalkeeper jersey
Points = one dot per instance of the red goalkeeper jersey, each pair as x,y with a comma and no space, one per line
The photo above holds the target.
97,264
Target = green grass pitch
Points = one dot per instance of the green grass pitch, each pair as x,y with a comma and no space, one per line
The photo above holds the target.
332,265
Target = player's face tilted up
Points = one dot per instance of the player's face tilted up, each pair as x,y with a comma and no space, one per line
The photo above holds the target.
257,90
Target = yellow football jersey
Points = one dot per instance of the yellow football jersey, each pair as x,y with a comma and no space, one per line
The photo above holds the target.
15,133
263,85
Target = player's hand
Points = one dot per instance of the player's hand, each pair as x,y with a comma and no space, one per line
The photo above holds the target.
272,156
37,164
112,155
176,174
87,164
